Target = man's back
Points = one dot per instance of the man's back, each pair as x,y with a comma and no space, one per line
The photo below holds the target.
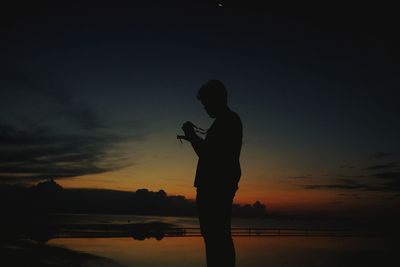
218,166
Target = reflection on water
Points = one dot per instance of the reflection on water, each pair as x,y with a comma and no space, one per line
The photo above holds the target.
129,252
193,221
251,251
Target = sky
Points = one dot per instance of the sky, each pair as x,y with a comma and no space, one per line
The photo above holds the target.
93,95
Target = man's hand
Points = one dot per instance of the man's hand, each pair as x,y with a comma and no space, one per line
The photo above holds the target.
190,135
188,129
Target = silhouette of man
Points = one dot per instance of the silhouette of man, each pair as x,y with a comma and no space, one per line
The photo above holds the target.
218,173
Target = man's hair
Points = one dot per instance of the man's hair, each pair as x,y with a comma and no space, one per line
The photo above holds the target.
214,90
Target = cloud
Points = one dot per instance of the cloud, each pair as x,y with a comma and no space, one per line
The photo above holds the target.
44,133
43,153
340,184
384,166
387,175
347,166
48,132
380,155
392,181
382,182
299,177
383,177
358,195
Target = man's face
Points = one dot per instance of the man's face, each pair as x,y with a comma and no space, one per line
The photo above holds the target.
210,107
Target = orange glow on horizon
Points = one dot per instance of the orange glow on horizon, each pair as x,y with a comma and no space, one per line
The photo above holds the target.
278,199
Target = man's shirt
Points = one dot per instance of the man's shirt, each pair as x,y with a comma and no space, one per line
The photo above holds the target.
218,166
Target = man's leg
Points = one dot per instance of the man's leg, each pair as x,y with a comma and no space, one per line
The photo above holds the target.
220,251
227,247
214,210
204,221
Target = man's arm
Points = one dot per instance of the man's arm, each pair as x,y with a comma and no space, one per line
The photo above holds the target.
197,144
190,135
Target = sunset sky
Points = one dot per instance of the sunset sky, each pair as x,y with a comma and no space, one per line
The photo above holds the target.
94,96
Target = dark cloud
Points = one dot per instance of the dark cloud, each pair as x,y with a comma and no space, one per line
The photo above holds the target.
357,195
384,166
35,154
387,175
379,155
64,139
299,177
347,166
388,180
353,195
347,194
48,132
383,182
350,176
392,181
341,184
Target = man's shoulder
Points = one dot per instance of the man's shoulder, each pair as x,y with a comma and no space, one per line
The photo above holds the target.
230,121
234,117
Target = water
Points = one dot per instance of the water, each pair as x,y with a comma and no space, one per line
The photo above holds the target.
274,251
193,222
251,251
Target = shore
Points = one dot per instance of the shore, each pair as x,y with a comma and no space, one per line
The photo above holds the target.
25,252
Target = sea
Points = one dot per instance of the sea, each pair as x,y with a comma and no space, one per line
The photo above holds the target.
251,251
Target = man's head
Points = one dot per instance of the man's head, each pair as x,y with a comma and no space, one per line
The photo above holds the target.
213,96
